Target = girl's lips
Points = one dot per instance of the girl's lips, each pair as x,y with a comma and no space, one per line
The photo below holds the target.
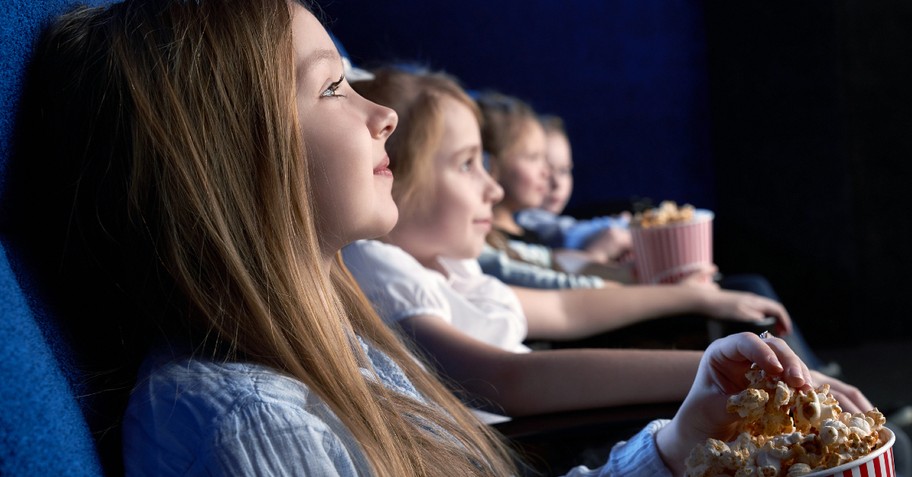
383,168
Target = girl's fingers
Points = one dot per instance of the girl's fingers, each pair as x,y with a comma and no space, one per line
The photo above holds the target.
850,398
775,309
794,372
782,318
771,354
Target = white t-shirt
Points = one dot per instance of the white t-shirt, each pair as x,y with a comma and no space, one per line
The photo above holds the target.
399,287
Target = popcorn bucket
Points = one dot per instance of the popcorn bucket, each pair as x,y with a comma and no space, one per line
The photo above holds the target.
876,464
668,253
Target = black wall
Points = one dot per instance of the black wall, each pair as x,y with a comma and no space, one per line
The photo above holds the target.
812,119
629,77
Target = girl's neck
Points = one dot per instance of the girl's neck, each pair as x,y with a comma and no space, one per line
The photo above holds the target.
434,264
503,221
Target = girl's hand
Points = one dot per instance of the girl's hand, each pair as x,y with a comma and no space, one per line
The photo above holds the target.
850,398
744,306
703,277
611,245
720,374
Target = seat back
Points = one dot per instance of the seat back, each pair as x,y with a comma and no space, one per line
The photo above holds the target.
43,429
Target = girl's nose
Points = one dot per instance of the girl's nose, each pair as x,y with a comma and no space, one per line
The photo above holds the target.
382,121
493,191
552,180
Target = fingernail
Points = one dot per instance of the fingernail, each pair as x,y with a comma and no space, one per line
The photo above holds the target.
773,360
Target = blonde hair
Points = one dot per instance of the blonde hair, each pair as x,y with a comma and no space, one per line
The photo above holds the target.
193,201
417,98
553,124
506,119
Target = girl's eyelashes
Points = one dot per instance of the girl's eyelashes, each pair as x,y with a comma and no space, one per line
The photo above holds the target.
469,164
330,91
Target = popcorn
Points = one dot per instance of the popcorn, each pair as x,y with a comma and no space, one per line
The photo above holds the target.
667,212
785,432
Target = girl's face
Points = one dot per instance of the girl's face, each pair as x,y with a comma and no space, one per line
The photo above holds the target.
459,216
561,180
344,136
522,169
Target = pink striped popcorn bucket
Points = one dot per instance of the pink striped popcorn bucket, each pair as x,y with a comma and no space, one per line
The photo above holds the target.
669,253
876,464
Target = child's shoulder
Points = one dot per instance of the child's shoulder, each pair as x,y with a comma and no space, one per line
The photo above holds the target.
375,256
215,386
192,412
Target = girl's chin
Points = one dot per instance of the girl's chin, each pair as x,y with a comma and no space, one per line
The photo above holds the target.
551,205
383,226
468,253
533,203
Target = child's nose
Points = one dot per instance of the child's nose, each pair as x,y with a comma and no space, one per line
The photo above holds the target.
495,192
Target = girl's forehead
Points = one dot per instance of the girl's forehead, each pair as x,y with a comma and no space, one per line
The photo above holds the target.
530,135
309,37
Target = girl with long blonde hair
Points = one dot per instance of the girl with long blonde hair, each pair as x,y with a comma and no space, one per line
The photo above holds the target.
213,161
194,131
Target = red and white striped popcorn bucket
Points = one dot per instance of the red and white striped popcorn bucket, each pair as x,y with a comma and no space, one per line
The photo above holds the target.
669,253
876,464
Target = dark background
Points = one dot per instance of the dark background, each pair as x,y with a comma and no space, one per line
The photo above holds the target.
791,120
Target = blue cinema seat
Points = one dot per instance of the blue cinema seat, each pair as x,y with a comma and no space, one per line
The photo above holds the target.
43,428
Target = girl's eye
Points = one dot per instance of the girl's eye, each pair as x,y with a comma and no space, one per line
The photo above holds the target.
466,166
331,91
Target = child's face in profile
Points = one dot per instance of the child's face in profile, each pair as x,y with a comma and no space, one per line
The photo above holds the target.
522,169
459,214
344,137
560,162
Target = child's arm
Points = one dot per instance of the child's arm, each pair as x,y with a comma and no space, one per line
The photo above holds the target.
573,314
580,262
550,381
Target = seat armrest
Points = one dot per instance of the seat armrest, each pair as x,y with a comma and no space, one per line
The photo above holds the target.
551,444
